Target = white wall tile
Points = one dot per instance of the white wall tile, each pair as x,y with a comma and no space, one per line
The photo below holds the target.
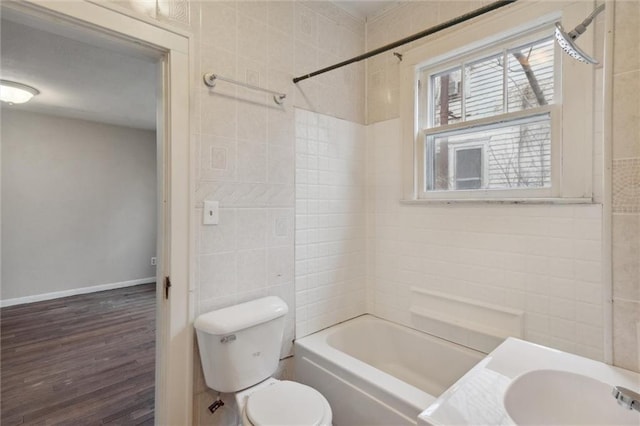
306,27
219,114
280,265
252,270
218,158
220,29
252,119
330,268
252,32
218,275
281,164
218,238
252,161
281,227
252,228
544,260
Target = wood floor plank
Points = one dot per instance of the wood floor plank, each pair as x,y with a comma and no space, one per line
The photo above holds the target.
81,360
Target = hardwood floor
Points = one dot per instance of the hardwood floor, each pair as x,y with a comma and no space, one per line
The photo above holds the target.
79,360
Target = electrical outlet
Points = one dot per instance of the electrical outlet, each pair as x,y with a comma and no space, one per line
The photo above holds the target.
154,261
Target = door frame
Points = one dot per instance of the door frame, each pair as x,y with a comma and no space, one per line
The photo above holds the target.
174,342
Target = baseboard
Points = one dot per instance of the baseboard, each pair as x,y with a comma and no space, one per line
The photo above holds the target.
73,292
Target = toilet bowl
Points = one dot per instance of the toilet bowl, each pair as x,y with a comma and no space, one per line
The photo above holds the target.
240,350
283,403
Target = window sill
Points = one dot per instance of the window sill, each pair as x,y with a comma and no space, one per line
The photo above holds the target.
442,201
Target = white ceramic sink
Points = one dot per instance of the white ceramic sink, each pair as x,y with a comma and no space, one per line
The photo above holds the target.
521,383
554,397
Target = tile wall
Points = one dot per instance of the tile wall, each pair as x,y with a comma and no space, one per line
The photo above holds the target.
330,221
626,186
174,12
246,147
544,260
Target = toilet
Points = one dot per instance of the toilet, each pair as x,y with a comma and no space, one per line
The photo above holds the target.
240,350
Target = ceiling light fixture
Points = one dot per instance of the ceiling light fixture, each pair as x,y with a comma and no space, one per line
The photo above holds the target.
16,93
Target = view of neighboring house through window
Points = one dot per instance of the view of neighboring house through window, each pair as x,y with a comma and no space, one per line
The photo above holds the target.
485,118
468,162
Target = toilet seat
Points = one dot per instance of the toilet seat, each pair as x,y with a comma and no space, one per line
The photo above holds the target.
286,403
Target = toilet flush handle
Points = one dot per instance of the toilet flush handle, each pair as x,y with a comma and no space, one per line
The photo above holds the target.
216,404
228,339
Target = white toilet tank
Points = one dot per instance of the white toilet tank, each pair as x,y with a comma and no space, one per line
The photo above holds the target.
240,345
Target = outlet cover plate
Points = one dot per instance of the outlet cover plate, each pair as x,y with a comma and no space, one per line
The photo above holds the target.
210,213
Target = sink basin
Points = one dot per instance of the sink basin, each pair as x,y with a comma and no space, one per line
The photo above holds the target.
554,397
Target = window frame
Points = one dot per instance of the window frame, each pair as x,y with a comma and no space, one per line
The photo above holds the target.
571,111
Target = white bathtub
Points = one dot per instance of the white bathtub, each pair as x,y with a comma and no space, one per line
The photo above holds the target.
374,372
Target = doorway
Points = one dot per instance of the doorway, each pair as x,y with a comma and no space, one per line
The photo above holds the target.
79,228
171,49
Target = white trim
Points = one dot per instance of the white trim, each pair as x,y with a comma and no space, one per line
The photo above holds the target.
484,191
607,184
74,291
541,200
500,47
502,119
495,120
528,28
165,26
469,145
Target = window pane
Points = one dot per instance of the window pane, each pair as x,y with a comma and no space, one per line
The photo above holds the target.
469,168
446,92
515,154
484,87
530,75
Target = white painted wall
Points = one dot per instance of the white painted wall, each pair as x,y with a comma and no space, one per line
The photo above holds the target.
78,204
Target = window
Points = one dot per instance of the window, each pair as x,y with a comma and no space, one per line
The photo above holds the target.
494,117
504,104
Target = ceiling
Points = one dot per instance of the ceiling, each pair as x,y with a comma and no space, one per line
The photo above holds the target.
77,79
365,9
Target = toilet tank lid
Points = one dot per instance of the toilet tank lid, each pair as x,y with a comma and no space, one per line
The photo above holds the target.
238,317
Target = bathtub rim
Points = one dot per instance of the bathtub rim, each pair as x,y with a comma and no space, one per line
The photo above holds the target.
318,345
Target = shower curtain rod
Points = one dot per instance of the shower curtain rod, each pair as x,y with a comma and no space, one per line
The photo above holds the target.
416,36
